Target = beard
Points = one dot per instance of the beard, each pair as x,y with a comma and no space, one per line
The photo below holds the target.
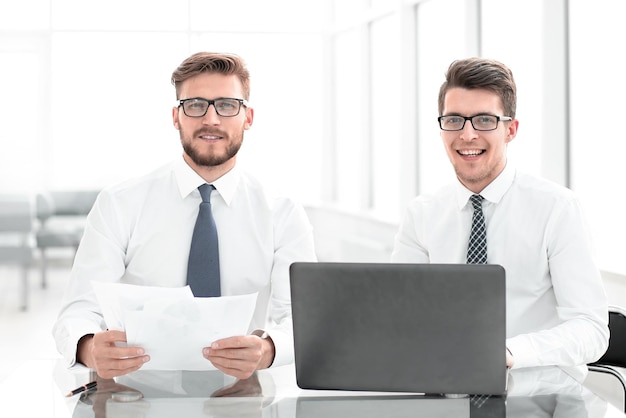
481,175
212,159
467,178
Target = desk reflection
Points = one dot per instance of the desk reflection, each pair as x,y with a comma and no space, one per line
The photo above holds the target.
176,394
550,392
540,392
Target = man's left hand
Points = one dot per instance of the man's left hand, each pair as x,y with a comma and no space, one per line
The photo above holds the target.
242,355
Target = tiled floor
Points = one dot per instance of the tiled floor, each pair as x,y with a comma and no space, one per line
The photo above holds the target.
27,334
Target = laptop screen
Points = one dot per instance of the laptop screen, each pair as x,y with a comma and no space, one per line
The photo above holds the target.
426,328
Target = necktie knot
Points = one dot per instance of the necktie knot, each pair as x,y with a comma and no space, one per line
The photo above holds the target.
205,192
477,201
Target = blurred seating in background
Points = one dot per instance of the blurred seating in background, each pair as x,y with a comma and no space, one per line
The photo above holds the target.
31,224
17,239
61,216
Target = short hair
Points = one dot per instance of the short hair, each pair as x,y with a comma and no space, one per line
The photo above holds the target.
481,73
212,62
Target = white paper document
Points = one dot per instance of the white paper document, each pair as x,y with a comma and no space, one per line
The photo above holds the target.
170,324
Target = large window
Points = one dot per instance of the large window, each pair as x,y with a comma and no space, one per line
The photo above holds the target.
90,99
597,139
434,55
24,120
345,94
386,114
497,20
560,53
350,104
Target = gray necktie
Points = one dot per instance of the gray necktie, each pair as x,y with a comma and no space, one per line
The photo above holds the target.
203,269
477,247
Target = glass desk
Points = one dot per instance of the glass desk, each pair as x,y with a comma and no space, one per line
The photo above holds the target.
38,388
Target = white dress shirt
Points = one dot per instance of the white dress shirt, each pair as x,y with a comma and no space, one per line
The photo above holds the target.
556,303
139,232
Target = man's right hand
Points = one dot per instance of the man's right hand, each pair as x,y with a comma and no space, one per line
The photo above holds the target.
100,352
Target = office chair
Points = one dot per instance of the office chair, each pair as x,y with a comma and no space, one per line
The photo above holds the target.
17,243
614,358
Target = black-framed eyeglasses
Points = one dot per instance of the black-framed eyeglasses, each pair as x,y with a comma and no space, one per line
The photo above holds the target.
479,122
197,107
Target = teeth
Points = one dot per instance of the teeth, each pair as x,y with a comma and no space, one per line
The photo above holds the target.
470,152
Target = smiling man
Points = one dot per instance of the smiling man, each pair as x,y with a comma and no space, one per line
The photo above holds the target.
556,303
143,231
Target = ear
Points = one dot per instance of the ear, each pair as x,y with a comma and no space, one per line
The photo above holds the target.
511,130
175,118
249,118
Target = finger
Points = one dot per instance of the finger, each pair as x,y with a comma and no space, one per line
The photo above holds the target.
110,368
236,368
126,353
110,336
251,354
239,341
231,360
106,344
111,361
109,350
128,364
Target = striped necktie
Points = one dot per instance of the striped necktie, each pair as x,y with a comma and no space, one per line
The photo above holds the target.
477,247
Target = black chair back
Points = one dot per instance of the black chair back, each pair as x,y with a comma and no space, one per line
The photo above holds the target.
616,353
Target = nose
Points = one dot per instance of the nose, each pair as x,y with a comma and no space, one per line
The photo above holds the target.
211,117
468,132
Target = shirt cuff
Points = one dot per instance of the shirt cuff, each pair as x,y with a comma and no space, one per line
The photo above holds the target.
522,351
283,346
67,338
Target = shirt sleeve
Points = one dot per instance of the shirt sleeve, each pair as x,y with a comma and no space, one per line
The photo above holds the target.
407,247
293,242
100,256
581,304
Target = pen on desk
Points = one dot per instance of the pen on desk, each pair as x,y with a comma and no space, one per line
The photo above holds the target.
81,389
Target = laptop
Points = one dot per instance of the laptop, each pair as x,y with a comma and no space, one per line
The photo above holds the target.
390,327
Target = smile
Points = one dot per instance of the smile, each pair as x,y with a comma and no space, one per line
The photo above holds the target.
471,152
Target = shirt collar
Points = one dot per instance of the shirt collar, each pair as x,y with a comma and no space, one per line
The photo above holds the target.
493,192
188,181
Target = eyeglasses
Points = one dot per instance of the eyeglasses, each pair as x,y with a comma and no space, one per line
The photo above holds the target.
226,107
479,122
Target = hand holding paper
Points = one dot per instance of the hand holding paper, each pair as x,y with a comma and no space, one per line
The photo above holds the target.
240,356
170,324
